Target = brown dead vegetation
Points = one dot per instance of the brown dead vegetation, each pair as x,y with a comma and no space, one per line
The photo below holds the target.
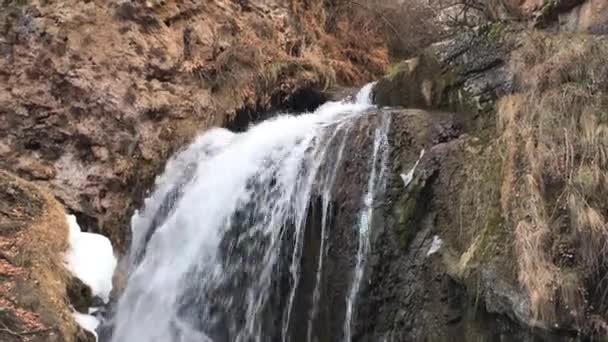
555,133
404,26
33,238
354,50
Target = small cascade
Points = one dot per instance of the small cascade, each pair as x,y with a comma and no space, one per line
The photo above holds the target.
375,183
234,243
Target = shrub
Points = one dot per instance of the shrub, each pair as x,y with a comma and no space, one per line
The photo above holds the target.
405,25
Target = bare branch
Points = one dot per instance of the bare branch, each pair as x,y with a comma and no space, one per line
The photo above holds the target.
9,331
380,15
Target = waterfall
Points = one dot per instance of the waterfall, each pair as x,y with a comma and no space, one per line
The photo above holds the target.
217,249
376,178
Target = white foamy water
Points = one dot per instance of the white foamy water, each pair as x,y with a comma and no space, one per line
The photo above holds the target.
228,215
90,258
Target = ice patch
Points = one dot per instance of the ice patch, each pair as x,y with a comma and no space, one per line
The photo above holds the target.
91,259
407,178
87,322
435,245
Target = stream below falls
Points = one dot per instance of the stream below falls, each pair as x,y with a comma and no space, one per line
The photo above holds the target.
236,241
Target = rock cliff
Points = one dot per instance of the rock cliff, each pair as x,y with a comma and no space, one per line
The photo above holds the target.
96,95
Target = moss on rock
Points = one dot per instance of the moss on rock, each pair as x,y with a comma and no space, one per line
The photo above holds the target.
419,82
404,213
466,74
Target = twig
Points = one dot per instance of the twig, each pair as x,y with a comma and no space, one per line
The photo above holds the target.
474,5
379,14
21,334
9,331
5,256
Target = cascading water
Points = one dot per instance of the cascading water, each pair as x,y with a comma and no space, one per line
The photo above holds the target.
376,178
217,252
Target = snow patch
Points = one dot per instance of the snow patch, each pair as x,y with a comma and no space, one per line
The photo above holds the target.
91,259
87,322
407,178
435,245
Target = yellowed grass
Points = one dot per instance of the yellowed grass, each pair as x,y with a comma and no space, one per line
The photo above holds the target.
348,38
41,244
555,134
46,245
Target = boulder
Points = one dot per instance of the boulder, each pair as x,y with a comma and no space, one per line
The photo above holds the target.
464,74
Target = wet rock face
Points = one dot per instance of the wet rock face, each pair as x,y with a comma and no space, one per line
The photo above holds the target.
410,296
463,190
80,295
467,289
465,74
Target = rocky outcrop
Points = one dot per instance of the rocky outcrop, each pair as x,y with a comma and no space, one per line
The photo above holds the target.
589,16
467,289
33,281
583,16
486,190
465,74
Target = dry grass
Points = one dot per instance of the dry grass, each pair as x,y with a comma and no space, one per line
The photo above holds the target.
555,132
351,44
45,246
406,26
314,57
36,294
